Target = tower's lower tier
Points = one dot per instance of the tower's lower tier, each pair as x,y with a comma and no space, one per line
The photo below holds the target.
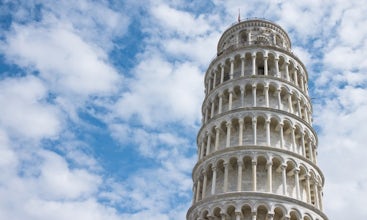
253,206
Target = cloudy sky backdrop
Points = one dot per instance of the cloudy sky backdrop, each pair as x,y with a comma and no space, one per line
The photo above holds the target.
100,101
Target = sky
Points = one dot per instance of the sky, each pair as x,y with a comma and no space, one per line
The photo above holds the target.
100,101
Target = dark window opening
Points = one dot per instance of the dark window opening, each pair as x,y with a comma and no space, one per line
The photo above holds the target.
260,70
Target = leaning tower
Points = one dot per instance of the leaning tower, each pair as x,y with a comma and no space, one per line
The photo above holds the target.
257,149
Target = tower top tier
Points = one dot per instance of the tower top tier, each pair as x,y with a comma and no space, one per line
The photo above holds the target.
256,32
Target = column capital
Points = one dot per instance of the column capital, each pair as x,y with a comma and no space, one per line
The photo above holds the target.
254,162
283,166
214,168
231,59
240,121
269,164
229,123
239,162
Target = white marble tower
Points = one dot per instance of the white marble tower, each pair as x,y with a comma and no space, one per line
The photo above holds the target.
257,149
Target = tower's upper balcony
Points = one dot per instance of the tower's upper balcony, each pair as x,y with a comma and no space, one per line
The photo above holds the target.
253,32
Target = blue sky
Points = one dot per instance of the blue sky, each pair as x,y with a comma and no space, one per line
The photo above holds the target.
100,101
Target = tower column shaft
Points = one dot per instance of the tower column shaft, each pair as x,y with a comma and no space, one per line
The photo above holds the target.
214,179
254,180
270,176
240,132
254,64
239,176
225,183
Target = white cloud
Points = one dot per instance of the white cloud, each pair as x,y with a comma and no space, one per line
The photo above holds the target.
162,92
177,21
24,110
69,64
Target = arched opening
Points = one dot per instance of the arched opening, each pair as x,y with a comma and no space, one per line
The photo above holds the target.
278,214
262,213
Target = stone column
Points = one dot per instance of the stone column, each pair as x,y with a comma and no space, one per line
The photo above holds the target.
214,179
266,93
214,79
296,179
302,84
230,99
212,109
303,143
223,216
270,216
238,215
228,142
308,188
254,129
284,179
277,66
299,107
290,108
267,124
254,215
281,136
254,64
198,191
220,103
225,184
206,115
221,73
294,144
239,175
316,192
269,167
242,96
209,84
231,60
310,150
208,144
204,184
265,65
254,95
287,70
296,77
242,66
254,180
217,132
279,99
240,132
194,193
